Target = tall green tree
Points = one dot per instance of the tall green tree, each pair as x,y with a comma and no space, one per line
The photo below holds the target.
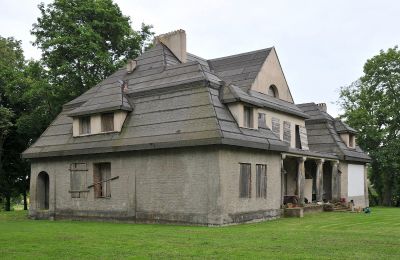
372,105
83,42
11,69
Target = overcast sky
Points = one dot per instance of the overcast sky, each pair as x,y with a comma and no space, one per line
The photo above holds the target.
322,45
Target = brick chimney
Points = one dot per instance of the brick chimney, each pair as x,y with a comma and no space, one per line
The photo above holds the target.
322,106
176,42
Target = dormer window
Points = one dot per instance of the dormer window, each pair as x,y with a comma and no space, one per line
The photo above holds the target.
352,141
273,91
107,122
84,125
248,117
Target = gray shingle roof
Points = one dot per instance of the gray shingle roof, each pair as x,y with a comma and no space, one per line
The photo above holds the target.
324,137
241,69
173,105
342,127
233,93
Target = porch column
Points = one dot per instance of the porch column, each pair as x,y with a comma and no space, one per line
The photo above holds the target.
319,180
300,179
283,172
335,179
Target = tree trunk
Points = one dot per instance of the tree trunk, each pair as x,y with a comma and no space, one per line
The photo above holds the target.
8,203
25,201
387,190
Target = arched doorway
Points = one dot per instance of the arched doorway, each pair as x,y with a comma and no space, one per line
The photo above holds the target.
42,191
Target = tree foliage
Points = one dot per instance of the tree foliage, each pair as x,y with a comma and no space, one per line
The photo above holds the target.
372,105
83,42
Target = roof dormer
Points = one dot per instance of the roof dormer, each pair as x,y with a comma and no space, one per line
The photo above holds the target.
104,112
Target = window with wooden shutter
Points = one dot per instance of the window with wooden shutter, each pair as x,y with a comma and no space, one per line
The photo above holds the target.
84,125
276,126
102,180
261,181
245,180
78,178
107,122
287,132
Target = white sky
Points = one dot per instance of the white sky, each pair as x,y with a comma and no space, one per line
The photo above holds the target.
322,45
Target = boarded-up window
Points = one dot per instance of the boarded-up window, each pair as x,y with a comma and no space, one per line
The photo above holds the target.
84,125
261,181
287,133
248,117
102,180
78,175
245,180
303,138
298,141
261,120
107,122
276,126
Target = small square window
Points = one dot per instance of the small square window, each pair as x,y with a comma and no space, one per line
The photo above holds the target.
84,125
107,122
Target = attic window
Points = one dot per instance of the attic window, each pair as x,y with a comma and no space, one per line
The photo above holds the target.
248,117
107,122
352,141
273,91
84,125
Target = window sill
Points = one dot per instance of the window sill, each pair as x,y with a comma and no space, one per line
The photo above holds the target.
103,198
250,128
101,133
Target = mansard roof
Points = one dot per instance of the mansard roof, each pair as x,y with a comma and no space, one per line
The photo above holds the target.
171,104
323,134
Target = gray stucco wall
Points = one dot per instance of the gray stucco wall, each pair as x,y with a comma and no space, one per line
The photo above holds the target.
359,201
174,185
236,209
186,185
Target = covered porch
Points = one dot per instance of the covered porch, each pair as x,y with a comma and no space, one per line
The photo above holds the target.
308,180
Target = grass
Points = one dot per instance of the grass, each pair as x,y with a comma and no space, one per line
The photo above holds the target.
320,236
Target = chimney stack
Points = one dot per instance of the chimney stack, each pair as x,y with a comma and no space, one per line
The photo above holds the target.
322,107
176,42
131,66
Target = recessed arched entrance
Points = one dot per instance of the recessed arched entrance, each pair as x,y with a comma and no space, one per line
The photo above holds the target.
42,191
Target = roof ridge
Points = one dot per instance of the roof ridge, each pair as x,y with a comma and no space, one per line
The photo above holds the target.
240,54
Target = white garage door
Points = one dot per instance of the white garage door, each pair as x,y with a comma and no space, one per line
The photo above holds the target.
356,180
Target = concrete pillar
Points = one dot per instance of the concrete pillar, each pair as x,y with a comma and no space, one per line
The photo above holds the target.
283,172
335,181
319,179
301,179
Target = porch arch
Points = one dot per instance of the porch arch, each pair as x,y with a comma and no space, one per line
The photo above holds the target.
42,191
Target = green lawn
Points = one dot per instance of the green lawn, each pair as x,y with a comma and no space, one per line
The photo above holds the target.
319,236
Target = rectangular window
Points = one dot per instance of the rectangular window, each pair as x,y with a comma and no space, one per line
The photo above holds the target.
245,180
102,180
352,141
78,173
261,181
107,122
298,140
261,120
84,125
248,117
276,126
287,132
